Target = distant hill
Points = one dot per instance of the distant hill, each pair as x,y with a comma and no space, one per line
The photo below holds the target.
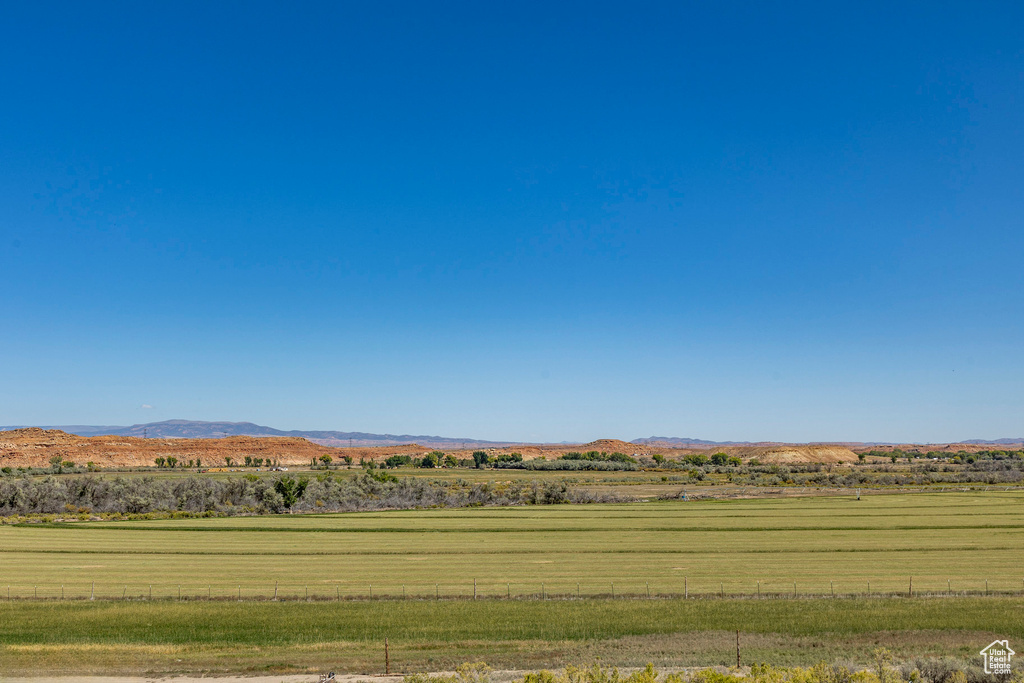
680,442
196,429
999,442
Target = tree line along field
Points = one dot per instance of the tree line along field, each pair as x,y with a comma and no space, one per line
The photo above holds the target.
945,541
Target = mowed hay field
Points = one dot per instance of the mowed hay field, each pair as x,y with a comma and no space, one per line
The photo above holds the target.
530,553
944,541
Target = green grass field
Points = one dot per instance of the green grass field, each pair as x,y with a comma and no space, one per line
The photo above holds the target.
944,541
212,637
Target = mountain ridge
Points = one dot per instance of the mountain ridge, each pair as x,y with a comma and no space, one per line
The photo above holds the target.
202,429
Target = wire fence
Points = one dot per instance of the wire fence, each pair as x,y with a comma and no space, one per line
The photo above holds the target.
629,589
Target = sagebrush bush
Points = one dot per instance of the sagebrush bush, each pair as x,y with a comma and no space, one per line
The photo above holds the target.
249,494
882,671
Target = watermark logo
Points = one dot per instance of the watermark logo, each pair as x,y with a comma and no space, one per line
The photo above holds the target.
997,657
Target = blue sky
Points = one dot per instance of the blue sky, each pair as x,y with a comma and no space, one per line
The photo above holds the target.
787,221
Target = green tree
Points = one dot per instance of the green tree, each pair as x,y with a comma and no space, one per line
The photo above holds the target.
451,461
326,460
172,462
432,459
480,459
290,489
347,459
862,457
719,459
159,462
56,462
658,458
397,461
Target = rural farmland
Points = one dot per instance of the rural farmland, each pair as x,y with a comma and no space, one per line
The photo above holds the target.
941,542
555,584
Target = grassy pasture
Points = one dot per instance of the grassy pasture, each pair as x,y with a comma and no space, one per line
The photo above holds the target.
164,637
821,543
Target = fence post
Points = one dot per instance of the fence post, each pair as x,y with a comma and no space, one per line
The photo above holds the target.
371,591
986,586
179,592
759,589
62,591
403,591
577,590
92,591
239,592
150,591
794,589
542,595
832,588
613,589
737,648
437,594
648,584
686,589
910,593
474,589
721,589
275,590
387,658
508,590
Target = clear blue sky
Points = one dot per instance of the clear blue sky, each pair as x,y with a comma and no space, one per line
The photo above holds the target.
535,221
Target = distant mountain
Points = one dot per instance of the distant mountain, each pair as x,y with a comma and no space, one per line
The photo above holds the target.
679,441
195,429
999,442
